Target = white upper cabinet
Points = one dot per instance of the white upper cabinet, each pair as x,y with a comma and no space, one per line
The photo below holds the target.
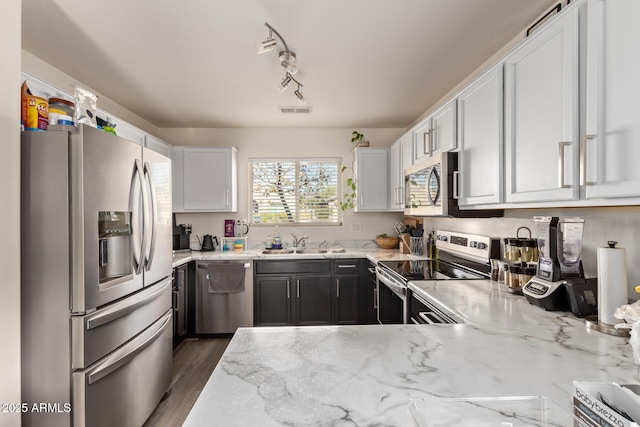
443,133
436,133
205,179
157,145
372,179
480,140
541,115
400,157
395,175
610,145
422,140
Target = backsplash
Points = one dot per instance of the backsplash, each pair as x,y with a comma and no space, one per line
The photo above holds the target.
621,224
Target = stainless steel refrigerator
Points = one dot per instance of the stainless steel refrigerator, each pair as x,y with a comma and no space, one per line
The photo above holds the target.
96,279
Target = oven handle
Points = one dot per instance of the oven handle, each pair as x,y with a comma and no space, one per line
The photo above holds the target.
430,317
395,288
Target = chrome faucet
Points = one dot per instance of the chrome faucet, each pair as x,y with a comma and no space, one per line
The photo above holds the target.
299,243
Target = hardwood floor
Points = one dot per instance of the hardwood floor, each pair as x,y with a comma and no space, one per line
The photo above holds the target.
193,362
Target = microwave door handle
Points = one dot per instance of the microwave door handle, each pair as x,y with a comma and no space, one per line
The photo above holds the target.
154,216
456,184
137,231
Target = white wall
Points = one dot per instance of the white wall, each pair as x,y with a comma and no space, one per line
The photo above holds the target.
10,34
286,143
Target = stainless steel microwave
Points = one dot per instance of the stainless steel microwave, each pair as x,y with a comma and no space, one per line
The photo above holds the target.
432,189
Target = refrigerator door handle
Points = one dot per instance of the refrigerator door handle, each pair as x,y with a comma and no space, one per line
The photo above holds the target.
133,207
154,216
118,311
125,354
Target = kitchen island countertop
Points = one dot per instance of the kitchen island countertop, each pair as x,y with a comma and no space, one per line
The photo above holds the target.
365,375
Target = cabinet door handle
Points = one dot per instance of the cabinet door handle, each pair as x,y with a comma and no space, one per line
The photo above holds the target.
338,288
347,266
583,160
426,142
561,147
288,290
298,288
456,184
227,197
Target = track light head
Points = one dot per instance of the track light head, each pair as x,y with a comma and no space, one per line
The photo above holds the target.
288,61
266,45
301,99
284,83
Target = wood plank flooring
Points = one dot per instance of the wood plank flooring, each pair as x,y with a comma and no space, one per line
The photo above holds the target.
193,362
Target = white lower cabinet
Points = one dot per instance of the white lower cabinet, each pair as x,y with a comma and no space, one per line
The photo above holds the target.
542,116
610,144
204,179
372,177
480,140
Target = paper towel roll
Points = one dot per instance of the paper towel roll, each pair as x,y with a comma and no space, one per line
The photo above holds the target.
612,282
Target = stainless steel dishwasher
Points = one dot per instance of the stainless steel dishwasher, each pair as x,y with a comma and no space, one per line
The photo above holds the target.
223,304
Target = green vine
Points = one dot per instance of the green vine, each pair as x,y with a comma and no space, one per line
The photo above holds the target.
349,197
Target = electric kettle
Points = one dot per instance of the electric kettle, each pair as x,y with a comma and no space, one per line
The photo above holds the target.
209,242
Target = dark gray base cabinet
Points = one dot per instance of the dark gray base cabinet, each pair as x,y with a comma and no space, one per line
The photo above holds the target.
307,292
180,278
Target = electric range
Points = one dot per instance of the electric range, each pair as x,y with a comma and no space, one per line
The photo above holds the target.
460,257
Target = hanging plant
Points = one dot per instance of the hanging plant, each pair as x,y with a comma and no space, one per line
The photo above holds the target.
349,197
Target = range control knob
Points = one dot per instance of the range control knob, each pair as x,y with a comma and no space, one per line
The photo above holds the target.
473,244
482,245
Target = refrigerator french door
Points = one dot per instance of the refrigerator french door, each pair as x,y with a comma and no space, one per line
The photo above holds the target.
96,285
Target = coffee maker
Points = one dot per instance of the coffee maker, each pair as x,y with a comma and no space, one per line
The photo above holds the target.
181,236
559,283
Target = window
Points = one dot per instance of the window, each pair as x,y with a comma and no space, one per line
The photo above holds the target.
295,191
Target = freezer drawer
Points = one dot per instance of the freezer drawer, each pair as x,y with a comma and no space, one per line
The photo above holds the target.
99,333
123,388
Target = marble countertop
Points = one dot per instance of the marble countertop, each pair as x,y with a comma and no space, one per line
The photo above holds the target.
366,375
373,254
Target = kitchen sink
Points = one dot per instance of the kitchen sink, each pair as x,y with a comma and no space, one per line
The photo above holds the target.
311,251
294,251
277,251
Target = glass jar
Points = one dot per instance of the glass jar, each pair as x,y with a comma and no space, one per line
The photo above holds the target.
514,277
512,249
529,250
526,274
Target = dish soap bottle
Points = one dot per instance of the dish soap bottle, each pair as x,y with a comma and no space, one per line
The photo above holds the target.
277,242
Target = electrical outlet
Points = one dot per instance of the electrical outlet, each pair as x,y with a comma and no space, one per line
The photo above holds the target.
356,228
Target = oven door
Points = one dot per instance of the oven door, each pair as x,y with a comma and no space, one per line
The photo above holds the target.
392,299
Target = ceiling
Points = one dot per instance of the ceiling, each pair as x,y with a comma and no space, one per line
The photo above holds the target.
193,63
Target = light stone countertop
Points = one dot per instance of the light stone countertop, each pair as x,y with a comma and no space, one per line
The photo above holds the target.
373,254
366,375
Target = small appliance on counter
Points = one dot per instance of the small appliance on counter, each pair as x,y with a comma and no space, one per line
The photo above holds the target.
181,237
559,283
209,243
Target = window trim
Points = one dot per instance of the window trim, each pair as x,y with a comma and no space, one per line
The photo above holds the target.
297,160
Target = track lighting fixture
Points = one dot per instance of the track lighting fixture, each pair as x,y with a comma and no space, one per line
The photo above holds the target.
287,61
284,83
301,99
